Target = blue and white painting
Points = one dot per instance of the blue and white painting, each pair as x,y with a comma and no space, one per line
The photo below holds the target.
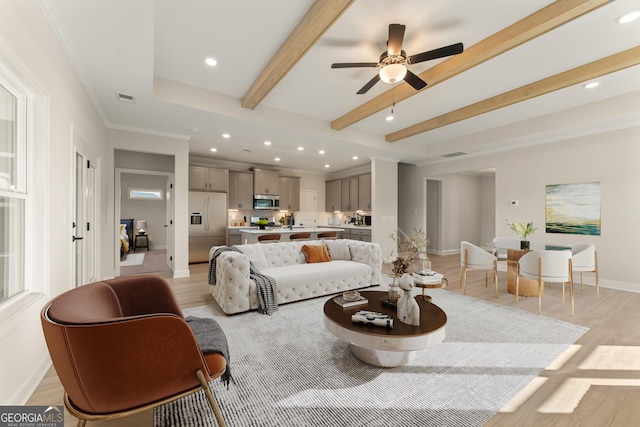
573,208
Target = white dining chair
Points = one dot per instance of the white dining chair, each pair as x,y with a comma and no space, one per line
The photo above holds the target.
585,260
546,266
502,244
473,257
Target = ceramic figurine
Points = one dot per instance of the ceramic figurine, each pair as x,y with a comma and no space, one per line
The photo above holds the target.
408,309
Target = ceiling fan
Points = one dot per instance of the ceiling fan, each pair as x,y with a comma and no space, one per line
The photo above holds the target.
394,61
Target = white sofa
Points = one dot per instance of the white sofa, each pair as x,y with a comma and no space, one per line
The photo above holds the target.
354,264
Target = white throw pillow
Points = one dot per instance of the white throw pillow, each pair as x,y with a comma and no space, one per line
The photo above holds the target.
255,255
338,249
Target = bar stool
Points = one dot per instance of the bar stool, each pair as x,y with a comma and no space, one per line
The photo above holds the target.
269,238
300,236
329,235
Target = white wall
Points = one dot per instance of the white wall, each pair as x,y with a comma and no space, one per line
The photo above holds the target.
610,157
27,43
384,203
153,211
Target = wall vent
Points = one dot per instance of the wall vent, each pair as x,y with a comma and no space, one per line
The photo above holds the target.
456,154
125,98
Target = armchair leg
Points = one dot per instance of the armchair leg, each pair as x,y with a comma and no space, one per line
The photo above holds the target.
212,401
81,422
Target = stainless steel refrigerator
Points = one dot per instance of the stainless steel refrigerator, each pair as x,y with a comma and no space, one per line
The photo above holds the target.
207,223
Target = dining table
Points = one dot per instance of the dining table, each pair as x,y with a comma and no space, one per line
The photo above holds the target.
527,287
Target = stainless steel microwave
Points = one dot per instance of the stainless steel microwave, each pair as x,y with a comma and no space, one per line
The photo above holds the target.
266,201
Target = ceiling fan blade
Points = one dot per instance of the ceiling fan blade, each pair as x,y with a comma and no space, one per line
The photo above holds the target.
369,85
396,35
415,81
354,65
453,49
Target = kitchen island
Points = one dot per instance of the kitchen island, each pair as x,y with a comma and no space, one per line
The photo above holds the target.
251,235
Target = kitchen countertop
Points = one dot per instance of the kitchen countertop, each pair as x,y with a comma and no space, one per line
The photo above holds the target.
350,226
286,230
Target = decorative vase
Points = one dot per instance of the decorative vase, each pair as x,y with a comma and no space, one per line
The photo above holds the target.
524,244
394,289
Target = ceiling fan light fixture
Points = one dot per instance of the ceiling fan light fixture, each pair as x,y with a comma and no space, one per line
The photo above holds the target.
393,73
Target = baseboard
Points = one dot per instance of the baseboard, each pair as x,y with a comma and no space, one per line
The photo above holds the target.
177,274
31,381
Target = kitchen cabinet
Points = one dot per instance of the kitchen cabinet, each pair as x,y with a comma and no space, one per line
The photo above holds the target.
265,181
240,190
234,236
361,234
289,189
349,194
364,192
208,179
333,195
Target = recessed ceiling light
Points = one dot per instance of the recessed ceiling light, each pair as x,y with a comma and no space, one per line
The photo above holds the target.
389,117
326,166
355,157
321,152
211,62
300,148
226,136
277,159
591,85
630,16
214,149
267,143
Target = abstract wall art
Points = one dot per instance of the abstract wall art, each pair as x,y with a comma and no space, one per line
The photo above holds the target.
573,208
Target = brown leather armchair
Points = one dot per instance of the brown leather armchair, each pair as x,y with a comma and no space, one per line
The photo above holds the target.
122,346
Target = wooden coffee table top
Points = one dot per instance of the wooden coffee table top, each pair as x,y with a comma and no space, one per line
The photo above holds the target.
432,318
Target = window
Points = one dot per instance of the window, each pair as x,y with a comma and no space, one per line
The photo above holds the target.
12,192
145,194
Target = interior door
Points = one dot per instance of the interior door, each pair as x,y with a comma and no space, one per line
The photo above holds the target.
169,223
308,208
83,222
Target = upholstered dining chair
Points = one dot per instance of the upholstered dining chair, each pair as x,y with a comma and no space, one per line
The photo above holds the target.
328,235
473,257
269,238
546,266
122,346
300,236
502,244
585,260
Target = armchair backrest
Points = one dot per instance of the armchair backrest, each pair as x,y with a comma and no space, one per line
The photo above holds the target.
120,344
555,265
584,255
475,257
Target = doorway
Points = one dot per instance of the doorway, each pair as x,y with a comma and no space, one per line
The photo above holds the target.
307,216
144,199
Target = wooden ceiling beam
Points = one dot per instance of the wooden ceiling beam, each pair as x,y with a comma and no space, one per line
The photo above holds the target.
319,18
610,64
545,19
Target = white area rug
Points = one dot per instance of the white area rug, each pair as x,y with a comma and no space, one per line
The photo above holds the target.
289,371
132,259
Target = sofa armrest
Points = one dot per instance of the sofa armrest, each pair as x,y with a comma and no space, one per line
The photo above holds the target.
370,254
231,290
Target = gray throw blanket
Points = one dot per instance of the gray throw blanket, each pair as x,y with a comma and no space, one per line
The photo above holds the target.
211,339
267,288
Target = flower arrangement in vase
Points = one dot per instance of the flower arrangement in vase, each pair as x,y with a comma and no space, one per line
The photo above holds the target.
411,249
524,230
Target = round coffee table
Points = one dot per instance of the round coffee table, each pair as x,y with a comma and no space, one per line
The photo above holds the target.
385,347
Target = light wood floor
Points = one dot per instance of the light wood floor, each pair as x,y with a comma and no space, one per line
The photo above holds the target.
596,383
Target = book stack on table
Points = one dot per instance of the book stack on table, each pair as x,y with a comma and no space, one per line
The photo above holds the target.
427,277
344,302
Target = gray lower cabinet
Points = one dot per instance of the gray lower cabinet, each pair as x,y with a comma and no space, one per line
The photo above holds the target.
359,234
234,237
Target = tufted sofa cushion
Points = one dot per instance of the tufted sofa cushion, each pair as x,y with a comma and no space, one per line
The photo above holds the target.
235,292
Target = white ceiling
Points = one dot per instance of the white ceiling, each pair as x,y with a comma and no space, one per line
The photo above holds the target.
154,51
